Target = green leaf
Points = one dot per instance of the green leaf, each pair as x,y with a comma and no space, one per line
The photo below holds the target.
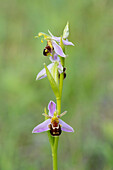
53,84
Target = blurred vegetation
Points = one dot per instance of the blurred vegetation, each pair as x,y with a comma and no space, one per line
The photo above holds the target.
88,88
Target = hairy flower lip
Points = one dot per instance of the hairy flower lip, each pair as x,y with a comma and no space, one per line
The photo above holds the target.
44,126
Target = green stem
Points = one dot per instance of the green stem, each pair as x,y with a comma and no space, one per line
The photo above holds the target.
58,105
54,153
55,146
56,139
62,74
61,83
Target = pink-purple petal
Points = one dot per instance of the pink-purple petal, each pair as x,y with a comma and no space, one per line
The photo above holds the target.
42,73
66,42
65,127
54,58
56,38
41,77
51,108
42,127
58,49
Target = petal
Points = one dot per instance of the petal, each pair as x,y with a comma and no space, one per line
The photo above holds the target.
42,73
65,127
51,108
58,49
56,38
42,127
54,58
66,42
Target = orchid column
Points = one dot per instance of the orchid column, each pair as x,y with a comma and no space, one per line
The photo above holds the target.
55,72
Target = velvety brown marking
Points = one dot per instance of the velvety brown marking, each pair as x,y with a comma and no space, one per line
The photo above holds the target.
55,132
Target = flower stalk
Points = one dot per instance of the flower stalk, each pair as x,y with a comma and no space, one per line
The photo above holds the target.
54,153
55,149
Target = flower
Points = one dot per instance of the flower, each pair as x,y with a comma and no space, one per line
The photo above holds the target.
53,123
42,74
53,43
54,58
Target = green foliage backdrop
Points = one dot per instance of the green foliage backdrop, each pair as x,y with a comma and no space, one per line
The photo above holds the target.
88,88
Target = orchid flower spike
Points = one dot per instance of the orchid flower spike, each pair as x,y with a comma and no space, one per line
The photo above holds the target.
53,123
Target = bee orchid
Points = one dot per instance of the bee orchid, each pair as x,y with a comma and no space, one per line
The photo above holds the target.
42,74
53,123
53,42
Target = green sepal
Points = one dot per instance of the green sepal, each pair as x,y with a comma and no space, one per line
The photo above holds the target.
53,83
66,31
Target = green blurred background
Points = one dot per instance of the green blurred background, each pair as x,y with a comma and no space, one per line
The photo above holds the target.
87,92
